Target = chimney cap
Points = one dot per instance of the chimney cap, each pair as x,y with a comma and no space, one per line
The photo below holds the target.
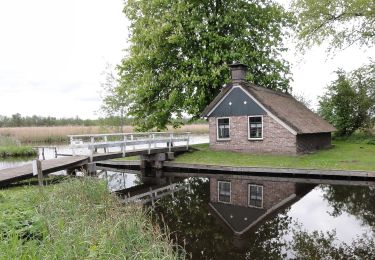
238,72
237,64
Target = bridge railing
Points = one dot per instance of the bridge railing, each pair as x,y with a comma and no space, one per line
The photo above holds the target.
128,141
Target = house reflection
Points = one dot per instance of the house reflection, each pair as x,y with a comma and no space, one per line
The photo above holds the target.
243,203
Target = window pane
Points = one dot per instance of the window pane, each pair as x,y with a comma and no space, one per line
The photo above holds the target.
255,127
224,191
256,196
223,128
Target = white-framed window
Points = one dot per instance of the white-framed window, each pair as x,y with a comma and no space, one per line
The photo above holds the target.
223,128
255,127
255,193
224,190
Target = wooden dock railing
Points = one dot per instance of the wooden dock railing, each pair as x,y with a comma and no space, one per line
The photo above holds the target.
127,141
153,195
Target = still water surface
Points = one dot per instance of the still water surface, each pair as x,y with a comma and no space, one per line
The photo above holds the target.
262,219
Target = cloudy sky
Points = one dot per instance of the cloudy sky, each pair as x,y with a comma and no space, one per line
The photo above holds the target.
52,54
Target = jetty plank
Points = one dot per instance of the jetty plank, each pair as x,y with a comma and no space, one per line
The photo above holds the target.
23,172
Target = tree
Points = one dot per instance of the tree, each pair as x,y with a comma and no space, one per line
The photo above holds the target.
115,100
340,22
349,101
180,51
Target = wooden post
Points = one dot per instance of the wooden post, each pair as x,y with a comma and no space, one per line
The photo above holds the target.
91,154
55,152
43,157
105,140
170,142
152,197
187,142
132,138
124,147
37,170
149,144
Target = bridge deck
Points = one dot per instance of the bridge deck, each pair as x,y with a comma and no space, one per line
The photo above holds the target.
19,173
25,171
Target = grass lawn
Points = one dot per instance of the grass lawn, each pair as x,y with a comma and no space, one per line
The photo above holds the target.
343,156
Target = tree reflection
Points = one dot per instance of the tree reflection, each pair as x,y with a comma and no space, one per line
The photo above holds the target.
205,234
355,200
325,245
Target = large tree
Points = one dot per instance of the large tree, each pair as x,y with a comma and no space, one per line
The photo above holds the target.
349,102
341,23
180,50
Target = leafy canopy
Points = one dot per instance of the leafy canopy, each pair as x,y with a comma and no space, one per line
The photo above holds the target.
180,51
340,22
349,103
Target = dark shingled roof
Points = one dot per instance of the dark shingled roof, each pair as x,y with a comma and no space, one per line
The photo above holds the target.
284,106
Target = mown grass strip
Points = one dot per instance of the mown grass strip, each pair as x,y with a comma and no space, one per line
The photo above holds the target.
343,156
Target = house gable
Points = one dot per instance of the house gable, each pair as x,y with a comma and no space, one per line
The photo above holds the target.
236,103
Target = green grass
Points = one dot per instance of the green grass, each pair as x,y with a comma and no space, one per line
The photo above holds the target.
10,147
16,151
343,156
76,219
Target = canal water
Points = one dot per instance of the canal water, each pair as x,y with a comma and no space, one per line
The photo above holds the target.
256,218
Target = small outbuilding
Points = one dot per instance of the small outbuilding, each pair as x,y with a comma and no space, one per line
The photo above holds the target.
248,118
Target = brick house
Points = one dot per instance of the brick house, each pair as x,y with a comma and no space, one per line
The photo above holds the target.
242,204
248,118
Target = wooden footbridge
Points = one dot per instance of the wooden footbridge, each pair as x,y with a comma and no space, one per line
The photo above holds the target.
88,149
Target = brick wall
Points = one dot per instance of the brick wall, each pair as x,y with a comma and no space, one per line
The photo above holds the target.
273,192
276,139
313,142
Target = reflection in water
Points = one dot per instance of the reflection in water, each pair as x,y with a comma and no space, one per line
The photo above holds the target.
252,218
120,180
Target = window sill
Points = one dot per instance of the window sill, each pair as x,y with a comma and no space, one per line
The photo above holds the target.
223,139
224,202
250,206
255,139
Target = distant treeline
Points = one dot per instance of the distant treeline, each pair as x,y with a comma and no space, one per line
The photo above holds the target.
17,120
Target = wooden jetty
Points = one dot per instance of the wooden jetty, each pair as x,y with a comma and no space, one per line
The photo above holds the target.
19,173
139,144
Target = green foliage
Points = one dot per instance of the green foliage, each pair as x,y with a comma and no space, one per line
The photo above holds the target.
340,22
343,156
115,101
77,219
180,51
349,103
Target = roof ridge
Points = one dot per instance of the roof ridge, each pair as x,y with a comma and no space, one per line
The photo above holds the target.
276,92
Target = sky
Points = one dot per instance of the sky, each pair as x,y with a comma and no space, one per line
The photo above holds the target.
53,53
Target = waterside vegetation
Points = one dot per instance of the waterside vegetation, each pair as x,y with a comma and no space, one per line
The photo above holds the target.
59,134
344,155
77,219
10,147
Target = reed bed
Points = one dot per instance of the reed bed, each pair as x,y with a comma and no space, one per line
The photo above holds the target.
59,134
